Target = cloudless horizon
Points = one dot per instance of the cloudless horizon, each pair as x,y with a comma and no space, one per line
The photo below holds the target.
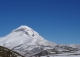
55,20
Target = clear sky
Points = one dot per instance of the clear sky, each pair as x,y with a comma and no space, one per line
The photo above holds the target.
56,20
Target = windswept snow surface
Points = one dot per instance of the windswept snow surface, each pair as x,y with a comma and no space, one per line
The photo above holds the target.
63,56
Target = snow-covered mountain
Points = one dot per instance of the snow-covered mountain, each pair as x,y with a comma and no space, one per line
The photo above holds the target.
75,46
25,39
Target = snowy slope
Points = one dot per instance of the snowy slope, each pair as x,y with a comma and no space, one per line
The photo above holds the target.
23,39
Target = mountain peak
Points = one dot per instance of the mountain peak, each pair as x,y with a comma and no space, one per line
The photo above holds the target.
25,30
22,28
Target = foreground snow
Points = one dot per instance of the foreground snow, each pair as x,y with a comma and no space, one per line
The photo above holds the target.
64,56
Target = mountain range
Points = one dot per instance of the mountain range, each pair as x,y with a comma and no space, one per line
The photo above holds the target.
26,41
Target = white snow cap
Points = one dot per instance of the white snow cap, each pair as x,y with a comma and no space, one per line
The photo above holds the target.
23,27
26,31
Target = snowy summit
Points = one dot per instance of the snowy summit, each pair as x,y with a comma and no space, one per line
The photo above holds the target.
25,30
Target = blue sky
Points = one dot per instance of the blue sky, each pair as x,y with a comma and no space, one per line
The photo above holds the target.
56,20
